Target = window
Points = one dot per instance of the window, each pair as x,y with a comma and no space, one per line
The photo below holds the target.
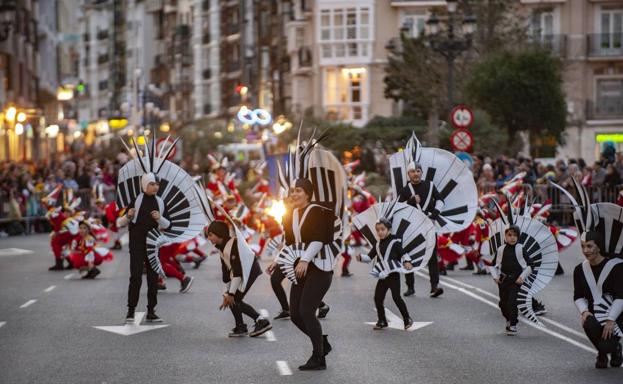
414,23
345,32
345,94
611,28
542,23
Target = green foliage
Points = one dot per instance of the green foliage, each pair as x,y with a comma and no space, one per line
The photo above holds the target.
521,91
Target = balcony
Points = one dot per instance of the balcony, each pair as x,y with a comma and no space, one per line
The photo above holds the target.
206,38
605,45
205,5
556,44
305,57
182,30
207,74
605,109
102,59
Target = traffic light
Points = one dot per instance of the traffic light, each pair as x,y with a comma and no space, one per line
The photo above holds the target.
242,89
81,87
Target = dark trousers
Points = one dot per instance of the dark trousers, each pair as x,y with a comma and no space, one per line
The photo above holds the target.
594,329
305,298
508,299
275,281
391,282
433,273
241,307
138,259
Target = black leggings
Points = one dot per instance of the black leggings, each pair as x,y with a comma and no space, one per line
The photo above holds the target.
241,307
275,281
391,282
508,299
305,298
594,329
433,272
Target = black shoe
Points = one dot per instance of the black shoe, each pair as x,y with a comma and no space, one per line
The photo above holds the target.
261,326
239,331
322,311
129,317
602,361
467,268
326,347
436,292
186,283
408,323
444,272
152,318
58,266
480,272
315,363
93,273
539,309
198,263
162,287
283,315
117,245
380,325
409,292
346,272
449,267
616,359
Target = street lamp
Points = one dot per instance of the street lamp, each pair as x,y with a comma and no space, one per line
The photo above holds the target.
454,43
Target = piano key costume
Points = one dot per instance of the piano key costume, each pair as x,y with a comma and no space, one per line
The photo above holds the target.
447,193
313,233
180,216
410,239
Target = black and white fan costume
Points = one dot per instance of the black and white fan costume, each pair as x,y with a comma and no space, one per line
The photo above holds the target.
313,234
411,228
539,257
176,196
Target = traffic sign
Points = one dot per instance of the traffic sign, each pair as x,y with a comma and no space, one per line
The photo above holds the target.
462,117
160,144
461,140
466,158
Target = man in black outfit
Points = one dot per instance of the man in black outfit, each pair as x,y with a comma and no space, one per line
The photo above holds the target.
423,195
594,278
145,213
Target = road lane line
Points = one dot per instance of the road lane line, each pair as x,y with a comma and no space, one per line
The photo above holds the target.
527,322
2,323
28,303
496,297
270,335
49,289
284,369
67,277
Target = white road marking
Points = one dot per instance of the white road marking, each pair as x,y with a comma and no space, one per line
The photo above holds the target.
14,251
2,323
544,319
527,322
70,276
131,329
284,369
28,303
49,289
393,321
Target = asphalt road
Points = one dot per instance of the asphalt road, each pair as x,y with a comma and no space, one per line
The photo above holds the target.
53,339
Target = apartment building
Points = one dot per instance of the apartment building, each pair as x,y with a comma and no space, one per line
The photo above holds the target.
588,35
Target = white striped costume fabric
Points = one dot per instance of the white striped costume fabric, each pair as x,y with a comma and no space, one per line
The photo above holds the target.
450,176
601,302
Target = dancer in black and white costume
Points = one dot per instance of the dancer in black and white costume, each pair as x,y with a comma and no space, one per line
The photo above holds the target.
237,284
424,195
598,296
312,225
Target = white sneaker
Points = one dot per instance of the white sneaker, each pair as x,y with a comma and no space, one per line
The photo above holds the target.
511,330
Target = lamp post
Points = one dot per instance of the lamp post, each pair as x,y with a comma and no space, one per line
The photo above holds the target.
454,42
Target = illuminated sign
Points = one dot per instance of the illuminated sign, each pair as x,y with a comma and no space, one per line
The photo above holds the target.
612,137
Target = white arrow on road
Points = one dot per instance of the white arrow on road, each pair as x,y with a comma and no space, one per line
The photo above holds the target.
396,322
131,329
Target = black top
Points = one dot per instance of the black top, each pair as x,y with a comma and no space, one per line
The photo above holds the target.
395,254
422,190
613,285
318,225
234,260
510,265
144,221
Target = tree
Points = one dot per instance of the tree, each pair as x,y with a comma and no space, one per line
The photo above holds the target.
521,91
